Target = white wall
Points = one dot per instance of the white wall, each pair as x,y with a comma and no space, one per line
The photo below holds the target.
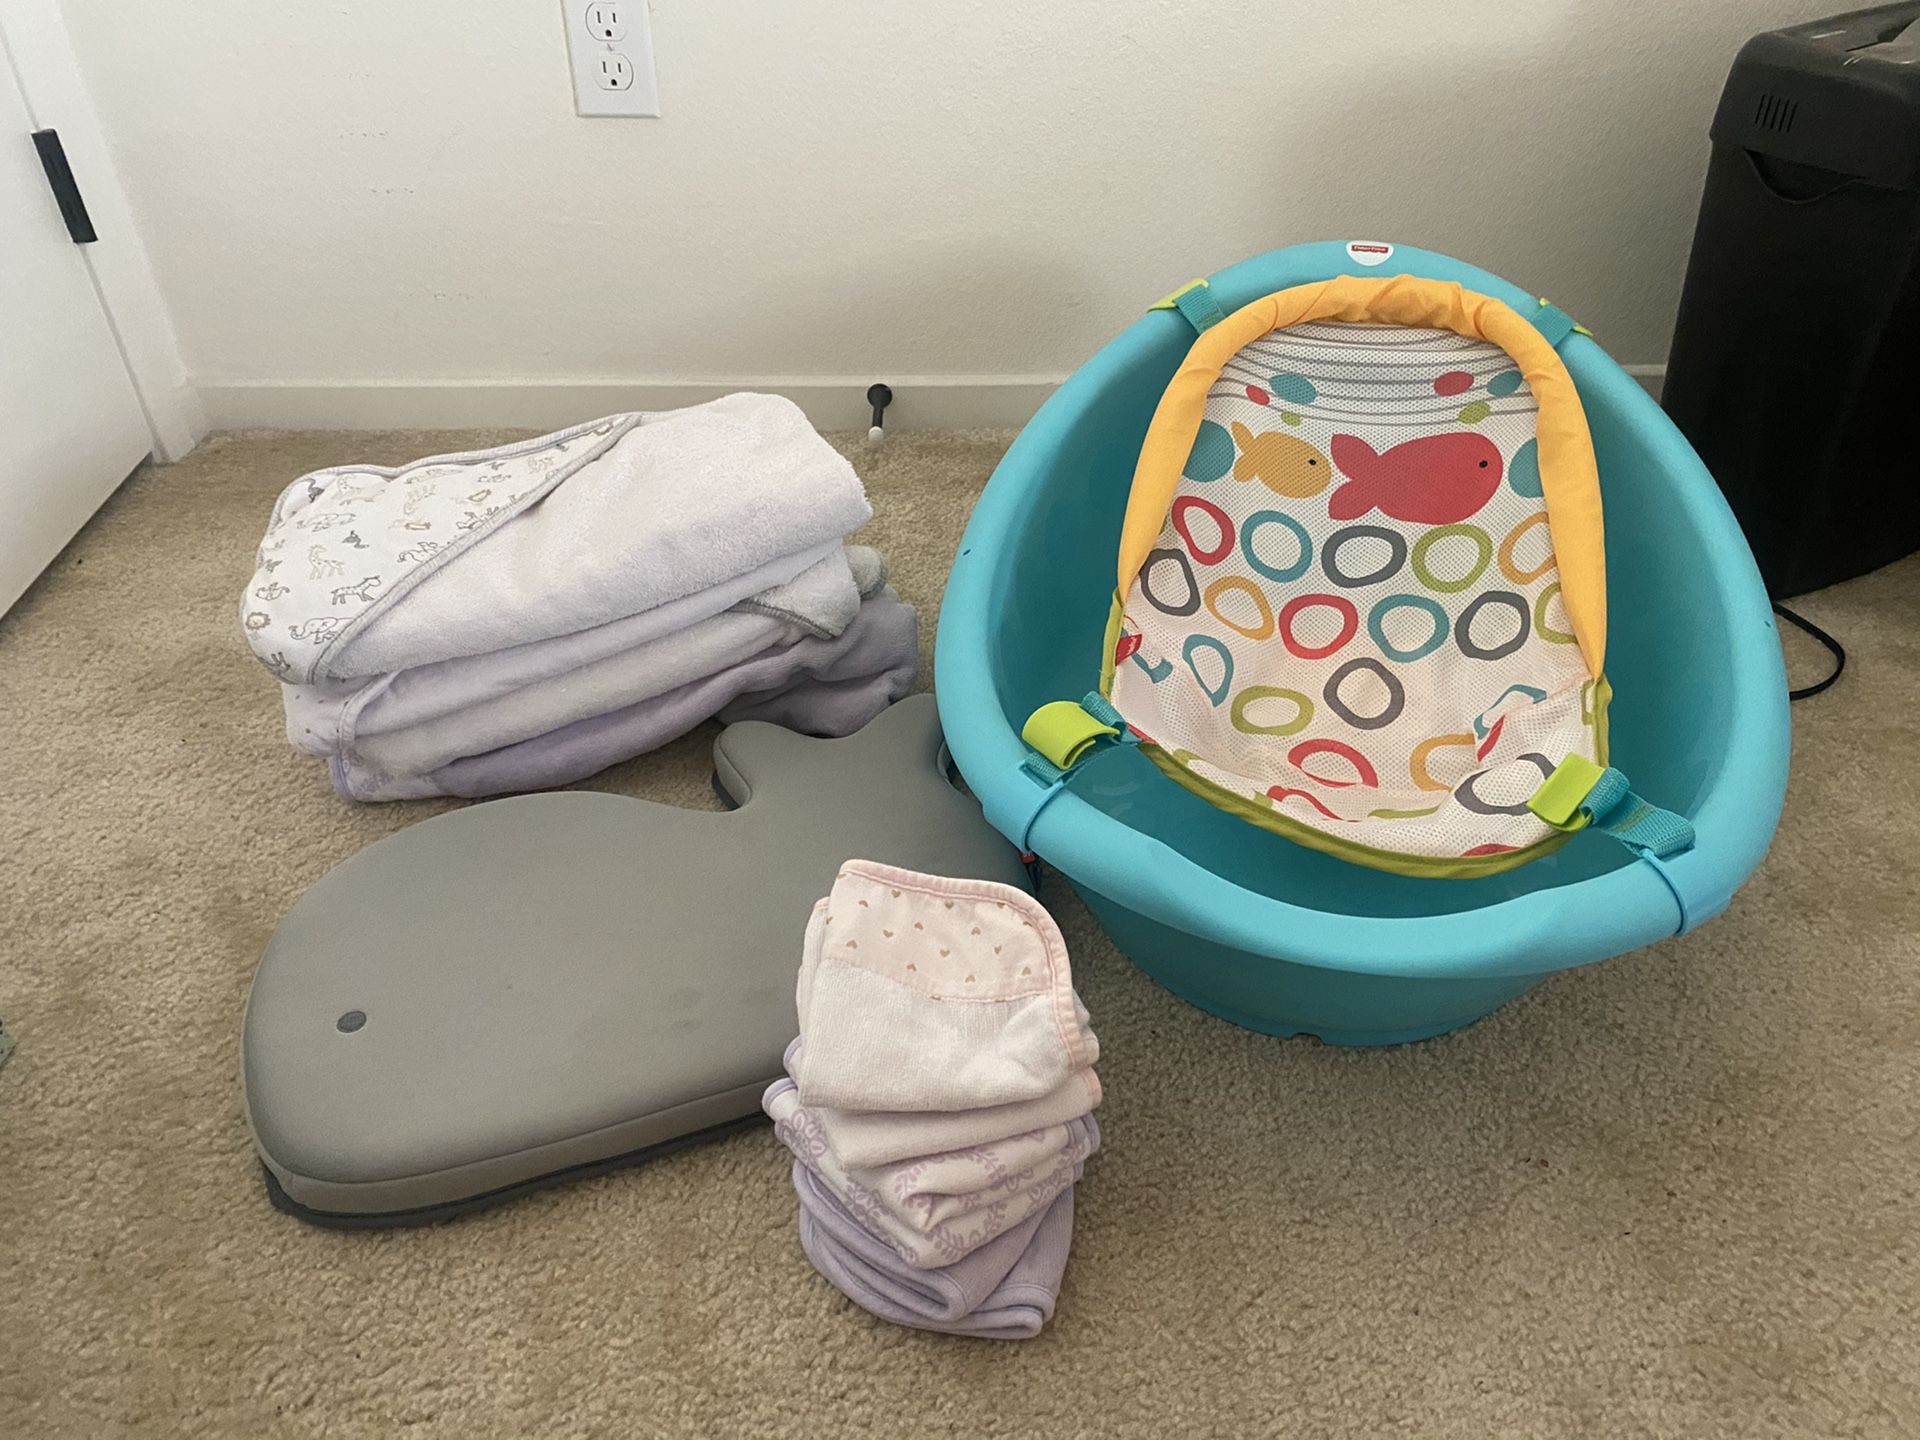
344,192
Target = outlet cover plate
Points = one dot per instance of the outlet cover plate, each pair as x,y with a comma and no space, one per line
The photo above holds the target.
596,61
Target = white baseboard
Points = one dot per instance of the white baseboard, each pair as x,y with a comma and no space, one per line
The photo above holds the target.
920,402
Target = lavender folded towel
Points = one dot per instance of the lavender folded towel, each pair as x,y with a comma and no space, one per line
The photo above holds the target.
1005,1290
817,686
898,1219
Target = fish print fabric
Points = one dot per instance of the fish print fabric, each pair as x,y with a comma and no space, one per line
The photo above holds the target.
1351,618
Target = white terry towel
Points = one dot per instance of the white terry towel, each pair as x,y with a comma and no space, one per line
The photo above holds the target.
923,993
432,715
366,570
864,1139
935,1189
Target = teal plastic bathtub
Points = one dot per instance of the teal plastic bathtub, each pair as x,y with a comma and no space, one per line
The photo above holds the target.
1279,938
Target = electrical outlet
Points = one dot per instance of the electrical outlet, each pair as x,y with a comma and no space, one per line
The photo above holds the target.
610,46
608,20
614,72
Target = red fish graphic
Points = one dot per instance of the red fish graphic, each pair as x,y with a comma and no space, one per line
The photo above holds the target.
1435,480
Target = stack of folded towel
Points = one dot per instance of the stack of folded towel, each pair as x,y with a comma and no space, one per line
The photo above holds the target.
938,1100
518,618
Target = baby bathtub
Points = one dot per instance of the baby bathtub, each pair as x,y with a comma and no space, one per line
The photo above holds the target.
1279,938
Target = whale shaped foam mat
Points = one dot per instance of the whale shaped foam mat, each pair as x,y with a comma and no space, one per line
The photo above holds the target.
535,989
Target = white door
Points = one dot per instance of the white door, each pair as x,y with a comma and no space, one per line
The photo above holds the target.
71,427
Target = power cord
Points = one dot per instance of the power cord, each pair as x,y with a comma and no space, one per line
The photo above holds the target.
1834,648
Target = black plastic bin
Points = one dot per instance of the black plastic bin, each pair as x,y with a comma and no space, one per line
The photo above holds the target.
1795,368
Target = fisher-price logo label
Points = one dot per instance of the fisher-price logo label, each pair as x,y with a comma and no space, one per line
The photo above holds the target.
1368,252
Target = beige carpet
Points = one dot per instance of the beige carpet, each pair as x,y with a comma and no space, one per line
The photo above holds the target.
1671,1195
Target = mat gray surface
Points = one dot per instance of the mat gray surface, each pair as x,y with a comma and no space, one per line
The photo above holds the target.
1670,1195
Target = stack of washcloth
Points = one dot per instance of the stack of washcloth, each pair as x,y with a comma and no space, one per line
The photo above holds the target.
518,618
938,1100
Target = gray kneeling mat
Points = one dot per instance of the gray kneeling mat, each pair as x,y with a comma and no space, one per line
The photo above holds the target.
533,989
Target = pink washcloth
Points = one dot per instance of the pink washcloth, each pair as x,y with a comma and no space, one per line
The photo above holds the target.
926,1227
864,1138
920,993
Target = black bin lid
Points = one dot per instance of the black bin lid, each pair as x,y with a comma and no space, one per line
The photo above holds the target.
1840,94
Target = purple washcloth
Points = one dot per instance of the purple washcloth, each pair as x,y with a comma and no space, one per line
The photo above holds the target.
893,1207
948,1293
1005,1290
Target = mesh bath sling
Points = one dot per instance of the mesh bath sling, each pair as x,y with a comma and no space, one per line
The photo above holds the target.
1361,584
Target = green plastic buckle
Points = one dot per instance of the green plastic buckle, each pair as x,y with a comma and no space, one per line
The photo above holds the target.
1063,732
1170,300
1560,796
1578,328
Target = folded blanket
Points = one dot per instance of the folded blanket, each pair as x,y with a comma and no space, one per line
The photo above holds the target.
922,993
862,1139
822,596
819,687
1005,1290
393,736
521,617
497,548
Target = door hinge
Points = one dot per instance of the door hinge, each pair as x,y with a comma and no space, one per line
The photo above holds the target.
66,193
